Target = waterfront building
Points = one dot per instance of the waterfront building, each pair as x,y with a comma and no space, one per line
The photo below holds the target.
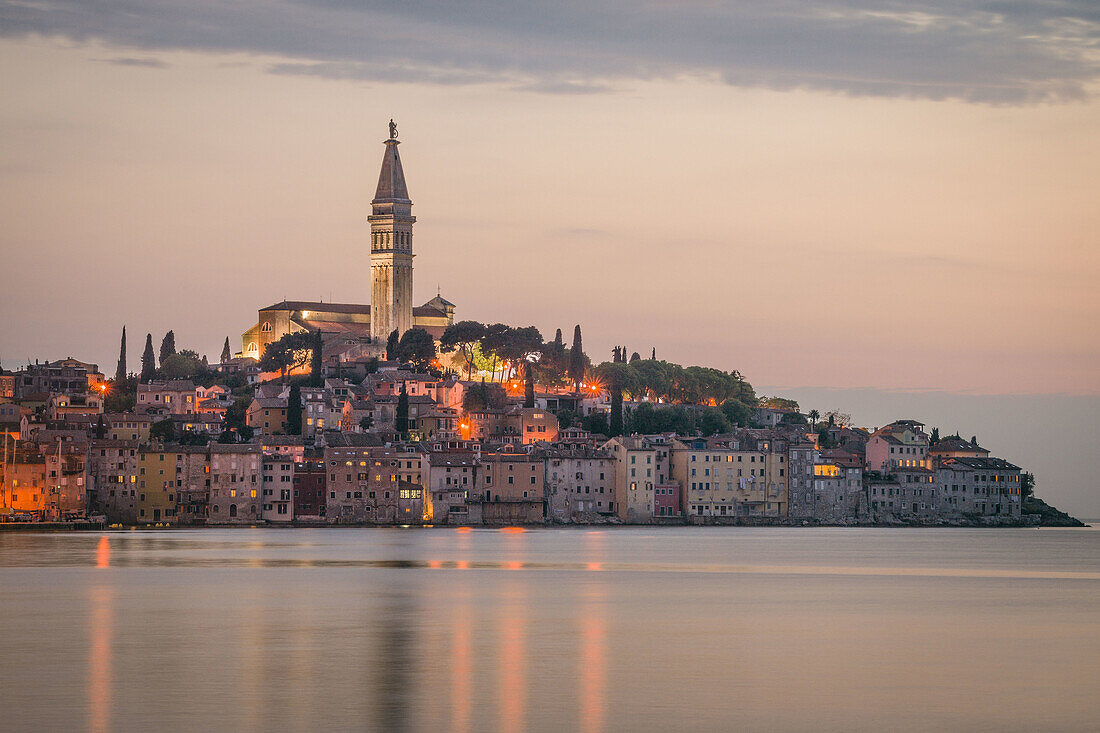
278,487
235,483
978,486
901,444
579,481
511,487
642,462
160,473
310,502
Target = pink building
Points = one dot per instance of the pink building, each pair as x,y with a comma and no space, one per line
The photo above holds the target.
666,500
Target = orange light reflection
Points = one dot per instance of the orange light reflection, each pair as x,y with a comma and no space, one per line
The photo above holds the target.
103,553
100,662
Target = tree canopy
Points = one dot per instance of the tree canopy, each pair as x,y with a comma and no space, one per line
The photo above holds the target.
416,347
290,352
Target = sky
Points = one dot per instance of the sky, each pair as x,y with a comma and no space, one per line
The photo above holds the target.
890,196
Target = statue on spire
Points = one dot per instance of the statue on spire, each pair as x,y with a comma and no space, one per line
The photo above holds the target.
393,129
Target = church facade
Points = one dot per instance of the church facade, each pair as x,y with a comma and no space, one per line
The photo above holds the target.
391,269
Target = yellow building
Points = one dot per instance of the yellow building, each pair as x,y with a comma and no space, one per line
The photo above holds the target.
159,475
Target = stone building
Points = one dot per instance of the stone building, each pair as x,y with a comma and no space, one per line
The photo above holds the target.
642,462
310,492
236,473
112,471
511,487
278,487
368,485
172,397
579,481
978,486
451,478
740,475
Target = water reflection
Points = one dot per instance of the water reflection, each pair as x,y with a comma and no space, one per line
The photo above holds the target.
548,630
100,631
393,660
592,662
461,664
513,661
103,553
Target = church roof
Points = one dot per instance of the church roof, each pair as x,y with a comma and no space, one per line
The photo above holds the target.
309,305
391,179
322,308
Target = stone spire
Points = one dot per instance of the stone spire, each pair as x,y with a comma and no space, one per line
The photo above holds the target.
391,255
391,179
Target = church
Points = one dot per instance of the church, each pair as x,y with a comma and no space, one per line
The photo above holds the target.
391,273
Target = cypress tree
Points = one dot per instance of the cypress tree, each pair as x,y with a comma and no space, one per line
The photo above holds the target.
100,428
616,424
576,359
120,370
226,353
294,411
148,361
653,356
167,346
391,345
401,419
529,384
315,359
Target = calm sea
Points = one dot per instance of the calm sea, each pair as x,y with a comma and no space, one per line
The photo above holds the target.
626,629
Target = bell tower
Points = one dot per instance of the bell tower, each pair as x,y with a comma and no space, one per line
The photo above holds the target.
391,223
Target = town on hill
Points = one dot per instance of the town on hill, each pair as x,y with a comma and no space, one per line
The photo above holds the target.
389,413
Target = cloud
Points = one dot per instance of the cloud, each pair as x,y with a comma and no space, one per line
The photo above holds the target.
128,61
991,51
579,233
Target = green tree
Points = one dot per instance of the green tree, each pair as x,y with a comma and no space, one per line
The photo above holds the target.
367,422
184,365
494,343
401,417
290,352
463,336
935,437
576,359
121,395
737,413
635,357
712,421
120,370
596,422
416,347
148,361
1027,485
484,396
616,378
100,428
814,415
226,353
235,420
163,431
294,411
167,346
